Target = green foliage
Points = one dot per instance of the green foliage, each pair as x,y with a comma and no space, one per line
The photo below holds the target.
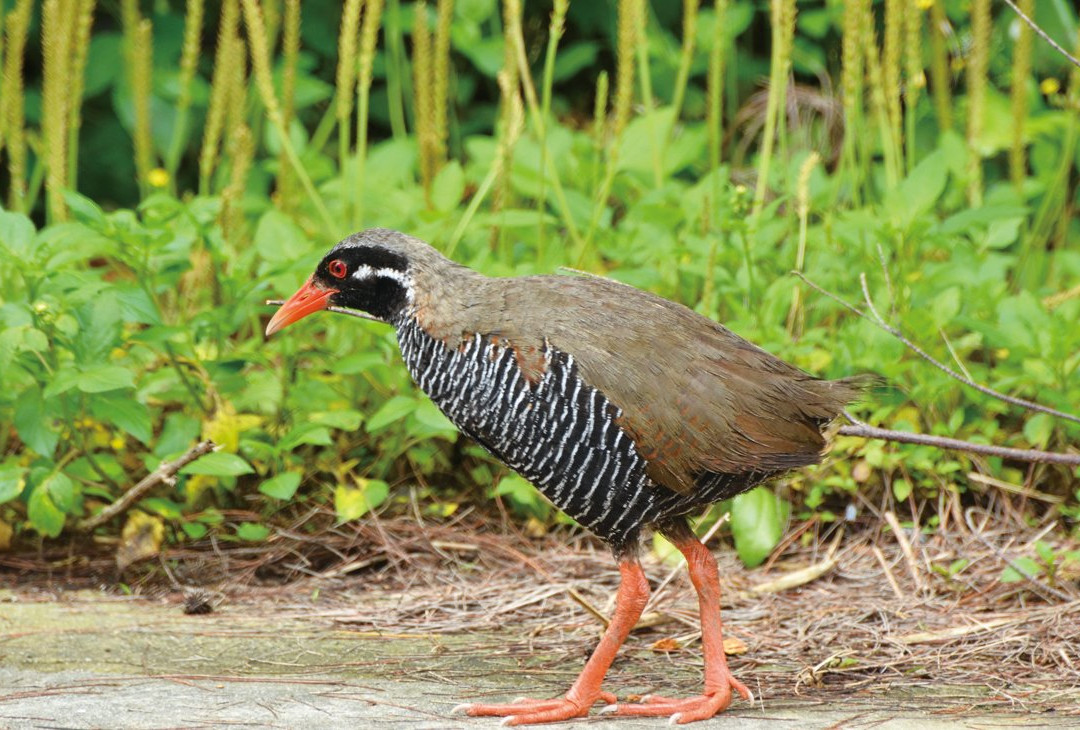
133,328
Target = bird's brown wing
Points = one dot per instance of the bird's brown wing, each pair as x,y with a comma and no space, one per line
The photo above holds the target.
695,397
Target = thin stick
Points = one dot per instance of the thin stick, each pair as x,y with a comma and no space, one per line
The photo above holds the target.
1042,34
865,430
164,474
888,573
881,323
905,548
1038,585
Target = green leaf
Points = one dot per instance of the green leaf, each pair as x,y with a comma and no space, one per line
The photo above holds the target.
917,193
45,516
34,424
16,234
252,532
177,435
277,238
306,433
392,410
448,187
102,378
84,209
127,414
757,524
1012,575
194,530
12,482
1038,430
428,414
901,489
351,503
167,508
61,490
219,464
523,496
1045,552
281,486
343,420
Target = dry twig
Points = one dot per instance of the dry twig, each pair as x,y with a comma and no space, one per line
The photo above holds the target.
164,474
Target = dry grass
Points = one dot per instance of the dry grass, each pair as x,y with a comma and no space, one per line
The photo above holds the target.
879,616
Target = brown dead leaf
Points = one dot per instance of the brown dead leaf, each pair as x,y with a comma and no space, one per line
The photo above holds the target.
666,644
140,539
734,646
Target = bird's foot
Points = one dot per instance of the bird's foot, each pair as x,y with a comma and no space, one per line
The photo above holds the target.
687,710
525,711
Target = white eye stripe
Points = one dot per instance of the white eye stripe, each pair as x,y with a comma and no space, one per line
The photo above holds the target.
365,272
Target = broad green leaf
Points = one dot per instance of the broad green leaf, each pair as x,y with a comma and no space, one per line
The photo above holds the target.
16,234
12,482
351,503
127,414
901,489
523,496
757,524
194,530
277,238
281,486
917,193
177,436
219,464
448,187
252,532
61,490
428,414
392,410
84,209
1029,566
103,378
306,433
167,508
1038,429
343,420
34,423
45,516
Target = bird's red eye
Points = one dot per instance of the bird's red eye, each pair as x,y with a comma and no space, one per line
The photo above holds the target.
337,269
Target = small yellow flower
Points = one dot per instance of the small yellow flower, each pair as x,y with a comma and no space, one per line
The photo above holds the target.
924,4
1002,353
919,81
117,353
1050,86
116,443
158,177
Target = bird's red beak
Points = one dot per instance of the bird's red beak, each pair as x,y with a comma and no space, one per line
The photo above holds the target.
309,298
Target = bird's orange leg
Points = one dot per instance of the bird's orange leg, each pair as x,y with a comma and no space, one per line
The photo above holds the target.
718,679
585,692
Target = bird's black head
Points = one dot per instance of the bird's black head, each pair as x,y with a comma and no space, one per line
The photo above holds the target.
360,274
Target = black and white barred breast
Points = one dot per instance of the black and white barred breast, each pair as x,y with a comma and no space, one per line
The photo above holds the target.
559,433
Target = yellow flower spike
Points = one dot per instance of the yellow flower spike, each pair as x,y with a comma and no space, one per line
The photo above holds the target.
117,443
1049,86
924,4
158,177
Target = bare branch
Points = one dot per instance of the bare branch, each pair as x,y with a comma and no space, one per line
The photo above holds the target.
1042,34
876,319
865,430
164,474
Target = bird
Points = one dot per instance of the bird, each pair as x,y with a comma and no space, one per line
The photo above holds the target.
626,410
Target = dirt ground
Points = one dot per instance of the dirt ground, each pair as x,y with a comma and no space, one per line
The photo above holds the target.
401,623
87,660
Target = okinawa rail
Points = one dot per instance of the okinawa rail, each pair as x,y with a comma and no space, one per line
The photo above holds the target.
623,408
